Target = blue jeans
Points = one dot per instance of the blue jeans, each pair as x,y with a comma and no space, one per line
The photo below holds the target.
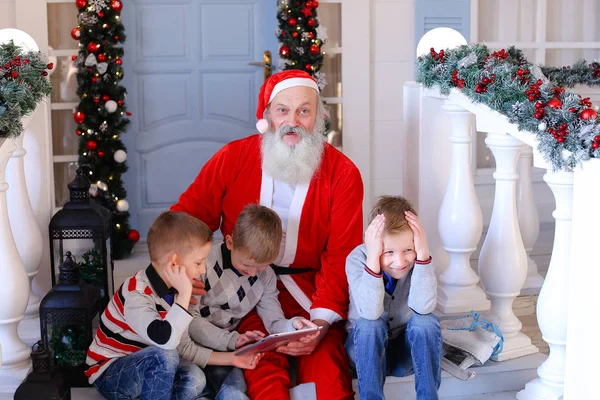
225,383
418,349
151,374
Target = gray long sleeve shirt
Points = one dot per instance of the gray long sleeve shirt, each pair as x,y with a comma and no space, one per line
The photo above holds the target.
368,299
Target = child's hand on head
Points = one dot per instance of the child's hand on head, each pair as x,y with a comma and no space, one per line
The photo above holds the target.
179,279
374,236
420,238
249,337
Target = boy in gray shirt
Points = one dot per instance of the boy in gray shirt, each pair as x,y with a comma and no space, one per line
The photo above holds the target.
391,328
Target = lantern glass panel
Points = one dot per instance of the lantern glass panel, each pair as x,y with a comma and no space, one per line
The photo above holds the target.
67,337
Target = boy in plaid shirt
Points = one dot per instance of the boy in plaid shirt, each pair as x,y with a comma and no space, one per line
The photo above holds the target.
238,279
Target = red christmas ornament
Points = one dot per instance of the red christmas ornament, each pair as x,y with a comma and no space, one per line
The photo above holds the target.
116,37
100,154
311,35
118,61
101,14
78,132
595,145
94,79
554,103
91,145
102,57
120,102
295,34
81,3
308,67
93,47
315,3
292,22
45,73
306,11
314,49
79,117
311,22
75,33
588,113
105,98
128,114
90,70
284,51
50,66
96,99
116,5
73,58
133,235
309,4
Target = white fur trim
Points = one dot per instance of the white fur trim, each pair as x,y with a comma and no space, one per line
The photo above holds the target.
262,125
325,314
288,83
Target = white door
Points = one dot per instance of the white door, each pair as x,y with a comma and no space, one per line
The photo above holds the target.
190,90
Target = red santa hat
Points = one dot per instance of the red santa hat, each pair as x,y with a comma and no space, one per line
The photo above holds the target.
275,84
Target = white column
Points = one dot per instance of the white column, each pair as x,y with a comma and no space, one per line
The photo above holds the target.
529,222
15,290
583,352
23,222
553,301
460,223
503,261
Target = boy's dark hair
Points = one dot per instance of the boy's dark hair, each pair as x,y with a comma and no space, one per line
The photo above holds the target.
258,233
176,232
393,208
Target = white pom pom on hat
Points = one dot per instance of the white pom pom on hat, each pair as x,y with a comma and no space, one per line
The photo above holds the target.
275,84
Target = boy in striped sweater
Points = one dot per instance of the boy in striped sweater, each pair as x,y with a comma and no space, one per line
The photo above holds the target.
134,353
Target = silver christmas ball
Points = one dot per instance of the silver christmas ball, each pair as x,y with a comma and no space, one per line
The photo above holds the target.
111,106
120,156
122,205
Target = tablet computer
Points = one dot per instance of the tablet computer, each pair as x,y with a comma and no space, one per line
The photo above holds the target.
275,340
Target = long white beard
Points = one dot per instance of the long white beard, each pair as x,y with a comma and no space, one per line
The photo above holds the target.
292,164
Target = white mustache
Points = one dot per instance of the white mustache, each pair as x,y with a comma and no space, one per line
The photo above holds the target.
285,129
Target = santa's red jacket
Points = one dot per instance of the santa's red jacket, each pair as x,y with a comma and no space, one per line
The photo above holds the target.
324,222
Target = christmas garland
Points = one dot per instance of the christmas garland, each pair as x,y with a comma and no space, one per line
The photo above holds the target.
100,115
532,97
23,84
301,38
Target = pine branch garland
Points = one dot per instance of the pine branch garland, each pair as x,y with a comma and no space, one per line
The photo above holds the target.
23,85
532,97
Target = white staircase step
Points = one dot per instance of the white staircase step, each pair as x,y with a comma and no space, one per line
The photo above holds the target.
493,377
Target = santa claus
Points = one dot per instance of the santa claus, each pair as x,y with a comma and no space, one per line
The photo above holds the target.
317,192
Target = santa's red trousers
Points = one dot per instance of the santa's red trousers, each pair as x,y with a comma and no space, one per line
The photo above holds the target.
327,366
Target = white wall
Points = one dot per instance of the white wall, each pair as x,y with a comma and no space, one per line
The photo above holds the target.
30,16
392,63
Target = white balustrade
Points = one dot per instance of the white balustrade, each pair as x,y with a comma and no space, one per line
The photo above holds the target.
503,260
15,291
529,222
460,223
552,307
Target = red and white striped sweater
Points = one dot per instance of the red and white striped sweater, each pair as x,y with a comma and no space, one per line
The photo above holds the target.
136,317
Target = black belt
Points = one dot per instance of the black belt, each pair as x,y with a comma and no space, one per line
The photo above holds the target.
289,271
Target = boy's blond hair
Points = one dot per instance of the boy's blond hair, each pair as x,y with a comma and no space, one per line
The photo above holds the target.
176,232
257,233
393,208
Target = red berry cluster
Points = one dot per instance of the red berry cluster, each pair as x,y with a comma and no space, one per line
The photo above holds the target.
533,93
596,142
10,68
585,102
596,73
500,55
485,81
561,133
539,110
437,56
460,83
522,75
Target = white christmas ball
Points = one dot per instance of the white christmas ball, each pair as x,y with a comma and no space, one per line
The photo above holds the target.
542,126
102,186
111,106
122,205
93,190
120,156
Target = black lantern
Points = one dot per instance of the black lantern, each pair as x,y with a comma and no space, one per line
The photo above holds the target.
83,228
66,321
44,382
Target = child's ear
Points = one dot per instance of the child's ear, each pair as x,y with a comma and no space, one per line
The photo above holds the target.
229,242
173,260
